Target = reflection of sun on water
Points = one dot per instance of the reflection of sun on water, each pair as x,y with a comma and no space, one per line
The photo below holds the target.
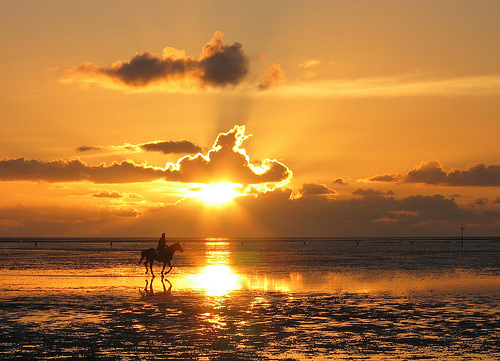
217,252
217,280
216,277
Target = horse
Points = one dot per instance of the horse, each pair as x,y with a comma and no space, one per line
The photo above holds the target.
151,255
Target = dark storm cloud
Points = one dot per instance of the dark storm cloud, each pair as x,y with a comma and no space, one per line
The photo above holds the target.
226,161
218,66
433,173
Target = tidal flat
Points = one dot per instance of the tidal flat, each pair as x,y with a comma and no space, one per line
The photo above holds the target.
252,300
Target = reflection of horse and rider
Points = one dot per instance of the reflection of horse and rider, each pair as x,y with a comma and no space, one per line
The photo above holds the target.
162,253
149,291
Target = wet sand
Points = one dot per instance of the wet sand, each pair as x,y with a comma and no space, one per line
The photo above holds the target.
218,309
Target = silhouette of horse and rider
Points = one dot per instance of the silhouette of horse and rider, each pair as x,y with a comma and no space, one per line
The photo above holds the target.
162,253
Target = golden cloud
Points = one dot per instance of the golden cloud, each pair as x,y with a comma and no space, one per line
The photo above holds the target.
227,161
313,63
274,76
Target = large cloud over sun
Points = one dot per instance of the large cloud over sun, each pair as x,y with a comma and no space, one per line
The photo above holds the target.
433,173
226,161
218,66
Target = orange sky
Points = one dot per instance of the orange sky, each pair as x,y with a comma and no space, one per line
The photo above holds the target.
369,118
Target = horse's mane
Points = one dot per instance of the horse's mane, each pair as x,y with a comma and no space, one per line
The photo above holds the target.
173,247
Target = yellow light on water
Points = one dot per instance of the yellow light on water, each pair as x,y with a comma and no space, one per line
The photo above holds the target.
216,280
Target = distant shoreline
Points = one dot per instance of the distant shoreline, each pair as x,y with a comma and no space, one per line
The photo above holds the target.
241,239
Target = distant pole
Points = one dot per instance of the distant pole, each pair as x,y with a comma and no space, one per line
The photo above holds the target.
463,238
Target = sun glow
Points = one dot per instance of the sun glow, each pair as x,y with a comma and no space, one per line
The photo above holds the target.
218,193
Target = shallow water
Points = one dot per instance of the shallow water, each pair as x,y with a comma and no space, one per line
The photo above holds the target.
252,300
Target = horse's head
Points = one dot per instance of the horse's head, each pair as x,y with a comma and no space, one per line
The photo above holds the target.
177,247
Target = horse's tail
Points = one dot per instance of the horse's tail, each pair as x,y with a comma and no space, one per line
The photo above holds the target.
142,257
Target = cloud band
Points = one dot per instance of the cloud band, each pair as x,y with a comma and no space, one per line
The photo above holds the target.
226,161
433,173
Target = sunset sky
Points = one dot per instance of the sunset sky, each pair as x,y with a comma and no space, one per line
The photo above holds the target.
317,118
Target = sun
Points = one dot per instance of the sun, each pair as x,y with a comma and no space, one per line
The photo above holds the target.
218,193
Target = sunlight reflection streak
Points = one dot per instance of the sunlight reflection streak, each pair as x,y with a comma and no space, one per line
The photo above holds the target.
216,280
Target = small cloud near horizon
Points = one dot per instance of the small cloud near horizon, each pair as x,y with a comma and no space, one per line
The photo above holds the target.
315,189
274,76
313,63
108,194
433,173
165,147
340,181
89,148
114,194
371,193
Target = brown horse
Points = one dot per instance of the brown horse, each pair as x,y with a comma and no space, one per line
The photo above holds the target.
152,255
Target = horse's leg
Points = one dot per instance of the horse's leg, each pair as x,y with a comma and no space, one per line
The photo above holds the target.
163,269
146,265
170,265
142,257
151,268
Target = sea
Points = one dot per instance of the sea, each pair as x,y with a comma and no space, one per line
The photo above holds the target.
251,299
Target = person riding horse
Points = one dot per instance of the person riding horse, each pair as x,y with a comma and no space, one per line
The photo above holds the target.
162,246
162,254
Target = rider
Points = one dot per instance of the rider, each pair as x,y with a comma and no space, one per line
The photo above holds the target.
162,245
